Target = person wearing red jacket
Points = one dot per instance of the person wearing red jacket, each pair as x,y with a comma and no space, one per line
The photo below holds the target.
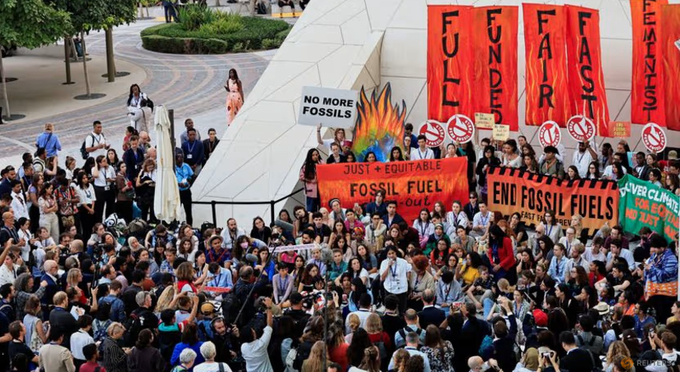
500,252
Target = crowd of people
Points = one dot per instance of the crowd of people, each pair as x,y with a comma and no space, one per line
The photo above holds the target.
324,288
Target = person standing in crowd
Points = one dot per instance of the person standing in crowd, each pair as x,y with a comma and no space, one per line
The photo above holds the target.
210,144
54,357
193,151
104,187
661,271
422,151
184,137
95,142
185,176
394,275
49,141
235,96
133,158
308,176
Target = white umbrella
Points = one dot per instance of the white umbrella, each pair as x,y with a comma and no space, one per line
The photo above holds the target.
167,204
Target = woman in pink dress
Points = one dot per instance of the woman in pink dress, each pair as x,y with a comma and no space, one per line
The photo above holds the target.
234,95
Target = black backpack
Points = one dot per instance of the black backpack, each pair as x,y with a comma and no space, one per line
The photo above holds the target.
83,149
597,364
261,7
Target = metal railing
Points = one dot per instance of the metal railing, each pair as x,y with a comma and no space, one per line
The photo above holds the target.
272,203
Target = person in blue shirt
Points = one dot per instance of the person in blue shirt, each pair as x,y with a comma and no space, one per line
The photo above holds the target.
184,174
193,151
117,306
558,264
219,276
49,141
378,206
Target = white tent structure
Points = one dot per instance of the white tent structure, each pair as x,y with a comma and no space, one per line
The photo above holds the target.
349,44
166,204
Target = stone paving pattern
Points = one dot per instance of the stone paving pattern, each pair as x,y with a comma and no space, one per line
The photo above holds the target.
189,84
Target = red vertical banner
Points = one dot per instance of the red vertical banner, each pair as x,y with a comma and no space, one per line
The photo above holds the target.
449,61
586,81
647,98
546,64
669,51
495,68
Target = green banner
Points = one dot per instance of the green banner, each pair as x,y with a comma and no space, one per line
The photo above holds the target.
644,204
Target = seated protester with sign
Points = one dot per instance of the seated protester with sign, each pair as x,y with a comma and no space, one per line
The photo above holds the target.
422,151
661,273
336,155
499,252
558,265
617,233
481,222
448,292
489,160
615,251
379,205
338,137
391,217
551,165
583,156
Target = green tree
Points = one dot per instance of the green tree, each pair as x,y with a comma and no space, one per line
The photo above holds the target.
29,24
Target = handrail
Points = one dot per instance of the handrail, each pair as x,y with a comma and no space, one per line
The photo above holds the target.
272,203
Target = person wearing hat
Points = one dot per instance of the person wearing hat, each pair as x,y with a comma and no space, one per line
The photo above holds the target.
216,253
337,212
551,165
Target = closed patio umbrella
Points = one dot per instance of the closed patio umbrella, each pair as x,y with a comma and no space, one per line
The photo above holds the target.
167,205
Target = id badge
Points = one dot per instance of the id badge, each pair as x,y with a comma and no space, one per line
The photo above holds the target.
190,156
107,188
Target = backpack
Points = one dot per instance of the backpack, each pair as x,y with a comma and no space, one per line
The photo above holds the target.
83,148
402,333
133,325
597,364
137,228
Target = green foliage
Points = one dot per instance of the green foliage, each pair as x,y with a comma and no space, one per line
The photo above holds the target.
239,33
120,12
193,16
31,23
184,45
222,26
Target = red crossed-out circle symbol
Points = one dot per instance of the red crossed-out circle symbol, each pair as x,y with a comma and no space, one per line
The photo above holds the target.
581,128
549,134
460,128
654,138
434,133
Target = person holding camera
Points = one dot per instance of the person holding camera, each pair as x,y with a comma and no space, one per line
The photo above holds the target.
254,348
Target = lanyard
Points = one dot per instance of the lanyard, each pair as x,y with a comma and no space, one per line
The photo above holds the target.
418,280
393,270
441,288
189,147
421,154
578,160
283,285
550,227
484,220
422,228
455,216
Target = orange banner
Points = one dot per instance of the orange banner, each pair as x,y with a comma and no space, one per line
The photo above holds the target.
586,80
647,98
412,184
513,190
669,49
449,66
495,71
546,64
